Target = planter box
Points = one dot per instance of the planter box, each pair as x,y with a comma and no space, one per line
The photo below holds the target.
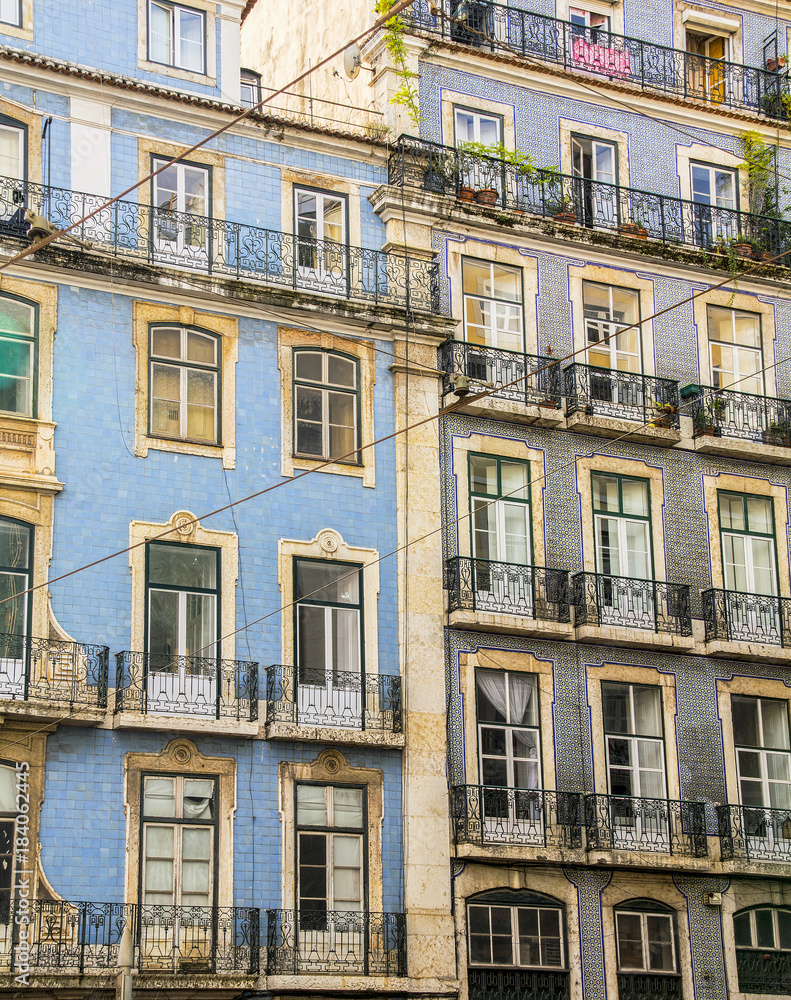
742,249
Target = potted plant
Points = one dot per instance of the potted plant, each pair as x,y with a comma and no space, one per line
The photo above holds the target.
562,209
779,430
774,64
633,228
438,172
709,416
664,415
478,167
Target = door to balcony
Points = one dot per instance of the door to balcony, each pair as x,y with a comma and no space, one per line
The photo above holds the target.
180,223
594,164
15,562
705,65
749,568
322,257
714,215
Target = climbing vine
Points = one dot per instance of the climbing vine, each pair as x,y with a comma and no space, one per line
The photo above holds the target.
406,95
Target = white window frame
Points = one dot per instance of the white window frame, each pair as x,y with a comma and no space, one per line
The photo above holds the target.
608,327
738,350
174,12
330,832
20,133
184,368
515,949
644,915
633,739
762,751
509,728
493,330
16,20
754,946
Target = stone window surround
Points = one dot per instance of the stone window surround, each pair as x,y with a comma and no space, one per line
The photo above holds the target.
146,148
180,757
25,30
514,662
331,768
613,10
742,895
758,487
615,277
708,21
329,545
747,303
289,338
36,508
291,178
450,99
569,127
185,534
148,314
697,153
209,10
33,120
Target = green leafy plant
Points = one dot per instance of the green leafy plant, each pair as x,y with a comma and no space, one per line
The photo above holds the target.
759,162
406,95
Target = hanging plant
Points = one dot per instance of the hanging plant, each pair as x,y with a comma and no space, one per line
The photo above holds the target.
406,95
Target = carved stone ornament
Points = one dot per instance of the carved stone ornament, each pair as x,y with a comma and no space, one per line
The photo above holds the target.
185,522
329,540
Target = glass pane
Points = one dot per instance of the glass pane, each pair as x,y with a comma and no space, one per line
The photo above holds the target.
749,764
159,42
732,512
775,724
308,366
201,348
630,941
341,371
764,929
311,644
638,565
159,797
14,545
529,945
660,943
741,931
477,278
342,407
13,605
478,919
492,706
184,566
616,708
483,475
163,624
647,711
608,549
746,329
605,493
507,283
16,376
759,515
348,807
735,559
523,699
10,139
165,400
166,342
191,46
551,946
7,789
513,477
309,404
745,721
763,565
198,800
311,805
784,927
325,581
200,629
159,841
625,307
345,641
635,497
196,843
777,767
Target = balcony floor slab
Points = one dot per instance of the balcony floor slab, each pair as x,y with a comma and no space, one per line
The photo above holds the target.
333,734
597,423
484,621
492,851
185,724
39,711
754,451
653,860
762,651
509,409
283,986
613,635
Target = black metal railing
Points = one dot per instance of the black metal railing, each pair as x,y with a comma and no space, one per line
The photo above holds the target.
651,67
600,599
55,671
628,395
311,697
59,936
229,249
754,833
430,166
482,814
201,686
648,986
741,415
517,984
537,381
658,826
327,942
762,971
755,618
507,588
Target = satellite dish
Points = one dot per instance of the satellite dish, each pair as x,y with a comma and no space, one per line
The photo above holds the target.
352,58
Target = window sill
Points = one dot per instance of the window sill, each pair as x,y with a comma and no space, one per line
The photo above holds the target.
225,452
161,69
297,465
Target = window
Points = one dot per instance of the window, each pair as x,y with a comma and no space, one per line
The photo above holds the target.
521,936
330,851
715,192
12,147
8,814
11,12
595,161
735,349
635,743
328,621
622,526
763,751
250,88
326,406
763,949
607,310
500,507
646,940
176,36
321,229
181,199
508,734
18,322
765,927
585,19
179,841
748,543
16,564
473,126
705,66
493,312
184,384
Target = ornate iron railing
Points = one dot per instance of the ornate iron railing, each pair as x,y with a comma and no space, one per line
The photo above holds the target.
610,393
198,939
229,249
658,826
754,833
430,166
536,382
517,984
742,415
482,814
202,686
648,986
55,671
599,599
736,617
762,971
651,67
332,942
331,698
507,588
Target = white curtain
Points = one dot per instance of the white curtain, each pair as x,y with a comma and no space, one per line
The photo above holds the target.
521,700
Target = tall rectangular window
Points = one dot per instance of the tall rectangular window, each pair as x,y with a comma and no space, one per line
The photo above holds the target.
612,338
622,526
182,593
735,349
12,150
646,942
748,543
177,36
326,406
328,619
184,390
634,740
17,356
181,194
493,310
8,814
330,851
500,507
508,729
763,751
11,12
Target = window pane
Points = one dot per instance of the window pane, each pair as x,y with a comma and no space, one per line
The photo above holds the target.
184,566
624,306
16,374
311,644
647,711
523,699
345,641
605,493
529,946
341,371
342,424
165,400
775,724
478,918
159,797
166,342
11,163
551,948
483,475
732,512
325,581
747,329
201,394
308,365
7,789
616,708
159,842
309,421
759,515
477,278
163,625
630,941
784,927
764,929
741,931
635,497
14,545
492,706
745,721
159,42
348,807
513,477
201,348
660,943
507,283
191,41
198,798
311,805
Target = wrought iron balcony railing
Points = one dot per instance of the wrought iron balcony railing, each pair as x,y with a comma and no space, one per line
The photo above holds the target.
518,984
657,826
200,686
651,67
482,814
332,942
626,395
755,618
648,986
53,671
536,383
229,249
600,599
754,833
507,588
762,971
429,166
85,937
332,698
741,415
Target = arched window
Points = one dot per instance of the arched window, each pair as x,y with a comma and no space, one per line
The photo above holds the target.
647,946
326,405
184,384
13,136
763,949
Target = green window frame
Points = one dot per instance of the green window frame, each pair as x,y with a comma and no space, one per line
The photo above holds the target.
497,496
326,392
18,356
186,590
620,513
748,531
312,673
16,574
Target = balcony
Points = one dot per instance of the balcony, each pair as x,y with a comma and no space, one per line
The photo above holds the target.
531,390
516,817
604,399
341,943
763,971
655,826
747,626
647,986
80,938
222,694
332,705
733,423
652,68
219,248
42,677
507,596
623,610
635,214
517,984
754,833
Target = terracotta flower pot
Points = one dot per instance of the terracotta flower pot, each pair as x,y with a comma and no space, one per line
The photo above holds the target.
568,217
466,194
742,249
488,196
633,229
